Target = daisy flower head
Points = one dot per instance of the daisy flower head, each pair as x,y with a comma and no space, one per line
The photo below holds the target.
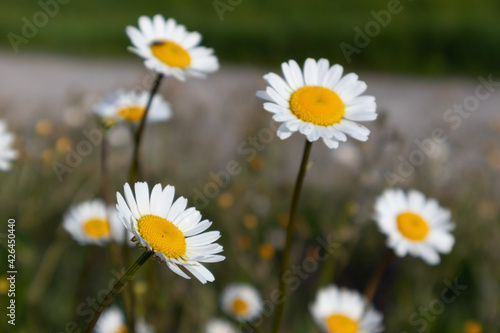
168,48
339,310
130,106
7,153
115,220
220,326
173,232
88,223
318,102
113,321
414,224
242,302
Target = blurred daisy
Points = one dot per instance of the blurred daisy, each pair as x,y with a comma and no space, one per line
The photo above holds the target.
414,224
344,311
220,326
88,223
7,153
318,102
242,302
174,233
168,48
131,105
113,321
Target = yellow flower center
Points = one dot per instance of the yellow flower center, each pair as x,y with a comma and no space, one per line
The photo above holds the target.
473,326
171,53
240,307
132,113
121,329
4,285
96,228
162,235
266,251
412,226
341,324
317,105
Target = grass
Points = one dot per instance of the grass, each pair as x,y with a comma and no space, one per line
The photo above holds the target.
425,37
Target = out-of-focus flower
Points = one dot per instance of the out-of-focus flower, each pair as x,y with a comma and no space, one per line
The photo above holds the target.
48,155
318,102
217,325
130,106
472,326
63,145
242,302
348,155
88,223
4,285
113,321
7,153
44,127
250,221
174,233
339,310
266,251
225,200
414,224
168,48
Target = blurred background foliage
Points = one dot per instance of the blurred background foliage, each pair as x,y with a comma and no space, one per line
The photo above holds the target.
446,36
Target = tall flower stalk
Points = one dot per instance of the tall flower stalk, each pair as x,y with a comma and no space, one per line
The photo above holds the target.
373,284
289,234
134,167
117,288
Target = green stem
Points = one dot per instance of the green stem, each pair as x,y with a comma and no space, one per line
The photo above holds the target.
104,170
118,287
289,235
134,168
130,296
133,177
372,286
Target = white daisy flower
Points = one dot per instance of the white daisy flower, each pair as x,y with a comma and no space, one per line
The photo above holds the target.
319,102
414,224
7,153
115,220
113,321
131,105
168,48
220,326
338,310
242,302
173,232
88,223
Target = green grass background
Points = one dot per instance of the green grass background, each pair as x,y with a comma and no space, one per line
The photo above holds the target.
446,36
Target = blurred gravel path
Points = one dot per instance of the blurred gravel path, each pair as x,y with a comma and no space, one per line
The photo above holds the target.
223,109
40,85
